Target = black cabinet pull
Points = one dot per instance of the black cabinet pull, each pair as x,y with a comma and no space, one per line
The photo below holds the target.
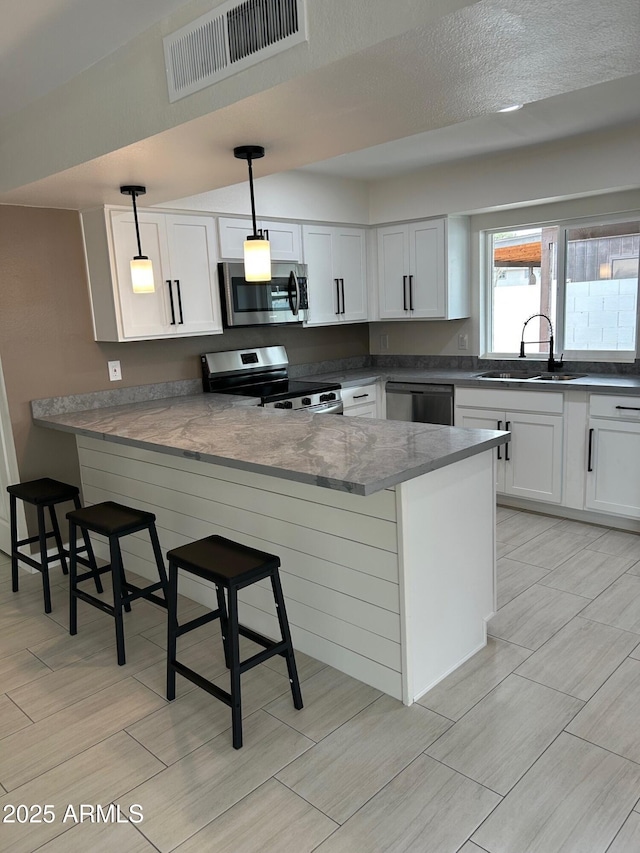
173,312
404,292
359,396
181,320
507,426
342,288
590,459
266,233
410,293
498,447
629,408
337,281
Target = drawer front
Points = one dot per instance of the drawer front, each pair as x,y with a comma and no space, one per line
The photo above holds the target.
358,396
614,406
521,401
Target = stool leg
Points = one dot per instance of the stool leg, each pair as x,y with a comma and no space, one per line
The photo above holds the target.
224,625
117,573
44,560
233,641
73,573
286,636
172,625
155,543
14,538
58,538
91,557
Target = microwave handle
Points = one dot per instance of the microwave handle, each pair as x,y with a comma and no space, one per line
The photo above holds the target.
294,287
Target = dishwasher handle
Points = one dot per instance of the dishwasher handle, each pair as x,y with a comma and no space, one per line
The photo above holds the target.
419,388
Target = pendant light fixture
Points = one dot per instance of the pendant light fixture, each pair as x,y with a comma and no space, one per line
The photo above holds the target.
141,266
257,250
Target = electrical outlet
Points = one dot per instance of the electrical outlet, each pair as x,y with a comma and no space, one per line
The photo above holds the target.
384,342
115,373
463,341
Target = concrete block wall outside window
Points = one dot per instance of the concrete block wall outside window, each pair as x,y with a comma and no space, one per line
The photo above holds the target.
600,314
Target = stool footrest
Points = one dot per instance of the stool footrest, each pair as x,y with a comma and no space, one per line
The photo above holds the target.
197,623
261,657
93,573
260,639
25,558
141,592
33,539
97,602
204,683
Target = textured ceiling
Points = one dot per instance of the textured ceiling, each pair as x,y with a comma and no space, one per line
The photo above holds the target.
444,81
44,43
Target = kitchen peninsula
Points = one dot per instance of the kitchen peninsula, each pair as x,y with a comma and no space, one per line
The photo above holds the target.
385,529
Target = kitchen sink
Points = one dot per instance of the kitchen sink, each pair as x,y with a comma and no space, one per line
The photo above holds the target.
523,375
558,377
506,374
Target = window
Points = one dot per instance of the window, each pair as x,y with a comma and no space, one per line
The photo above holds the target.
583,277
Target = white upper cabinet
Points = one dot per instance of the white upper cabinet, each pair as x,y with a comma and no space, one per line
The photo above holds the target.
423,270
285,238
182,248
336,261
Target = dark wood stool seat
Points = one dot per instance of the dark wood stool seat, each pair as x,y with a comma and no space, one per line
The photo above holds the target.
113,520
46,493
230,566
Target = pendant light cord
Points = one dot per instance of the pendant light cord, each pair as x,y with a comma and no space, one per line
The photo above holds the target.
253,201
135,217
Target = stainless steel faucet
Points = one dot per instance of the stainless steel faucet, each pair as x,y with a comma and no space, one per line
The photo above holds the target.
551,363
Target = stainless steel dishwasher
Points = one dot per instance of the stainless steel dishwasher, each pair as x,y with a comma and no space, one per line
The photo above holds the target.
415,401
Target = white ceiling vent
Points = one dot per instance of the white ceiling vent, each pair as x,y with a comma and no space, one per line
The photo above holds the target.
228,39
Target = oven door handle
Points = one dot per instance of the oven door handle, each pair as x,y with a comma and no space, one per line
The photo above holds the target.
334,408
294,287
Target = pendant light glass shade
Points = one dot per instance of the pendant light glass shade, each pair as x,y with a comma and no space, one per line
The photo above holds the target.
257,250
142,275
141,266
257,260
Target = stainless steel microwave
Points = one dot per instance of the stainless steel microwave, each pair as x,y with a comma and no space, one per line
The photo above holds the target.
282,300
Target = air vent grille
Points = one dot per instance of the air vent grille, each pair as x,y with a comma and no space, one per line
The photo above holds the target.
255,24
232,37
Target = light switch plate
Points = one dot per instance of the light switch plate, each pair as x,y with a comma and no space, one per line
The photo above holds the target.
115,373
463,341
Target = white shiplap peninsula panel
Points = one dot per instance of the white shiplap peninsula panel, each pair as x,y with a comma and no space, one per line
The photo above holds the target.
338,551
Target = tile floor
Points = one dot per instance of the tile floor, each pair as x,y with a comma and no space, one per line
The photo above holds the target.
533,746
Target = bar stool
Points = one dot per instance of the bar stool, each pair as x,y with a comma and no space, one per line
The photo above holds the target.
114,521
229,566
45,493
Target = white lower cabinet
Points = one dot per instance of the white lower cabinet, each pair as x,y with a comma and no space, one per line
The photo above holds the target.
361,402
182,249
530,465
613,455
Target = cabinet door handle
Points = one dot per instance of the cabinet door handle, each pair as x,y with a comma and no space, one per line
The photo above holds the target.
404,292
173,311
342,288
359,396
629,408
181,320
498,447
266,233
590,459
507,426
410,293
337,281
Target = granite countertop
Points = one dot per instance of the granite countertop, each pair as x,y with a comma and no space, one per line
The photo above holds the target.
355,455
593,382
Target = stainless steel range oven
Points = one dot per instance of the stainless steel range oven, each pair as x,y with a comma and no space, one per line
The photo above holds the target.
263,373
264,303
